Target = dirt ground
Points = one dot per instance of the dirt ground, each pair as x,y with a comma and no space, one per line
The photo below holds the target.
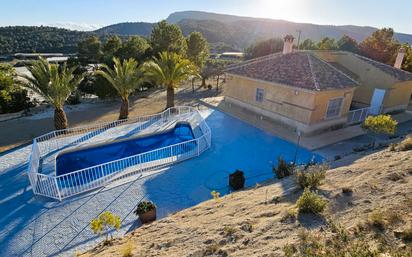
22,130
252,222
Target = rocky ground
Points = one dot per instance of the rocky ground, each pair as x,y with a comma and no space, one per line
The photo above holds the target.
370,199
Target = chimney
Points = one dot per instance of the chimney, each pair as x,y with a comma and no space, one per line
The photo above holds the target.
288,44
399,58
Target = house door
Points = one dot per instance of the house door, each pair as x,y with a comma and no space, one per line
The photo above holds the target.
377,101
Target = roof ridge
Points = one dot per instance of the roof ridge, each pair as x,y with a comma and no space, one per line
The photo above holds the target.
254,60
312,73
341,72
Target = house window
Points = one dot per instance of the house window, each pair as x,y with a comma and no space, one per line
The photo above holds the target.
334,107
259,95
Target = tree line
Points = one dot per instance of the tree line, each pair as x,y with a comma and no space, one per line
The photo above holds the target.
32,39
380,46
165,59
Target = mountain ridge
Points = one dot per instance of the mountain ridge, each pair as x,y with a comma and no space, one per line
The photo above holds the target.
238,32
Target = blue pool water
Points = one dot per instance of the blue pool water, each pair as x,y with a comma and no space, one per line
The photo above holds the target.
95,155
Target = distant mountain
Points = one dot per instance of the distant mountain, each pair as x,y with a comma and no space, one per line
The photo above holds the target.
127,28
235,31
246,30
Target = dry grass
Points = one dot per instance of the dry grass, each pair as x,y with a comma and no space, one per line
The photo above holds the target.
218,227
406,144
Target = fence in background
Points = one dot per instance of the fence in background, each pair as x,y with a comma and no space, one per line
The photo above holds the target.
359,115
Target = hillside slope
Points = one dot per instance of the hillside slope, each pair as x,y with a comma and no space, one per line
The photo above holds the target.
236,31
249,29
35,39
255,222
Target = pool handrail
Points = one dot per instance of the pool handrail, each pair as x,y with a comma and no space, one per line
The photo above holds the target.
48,185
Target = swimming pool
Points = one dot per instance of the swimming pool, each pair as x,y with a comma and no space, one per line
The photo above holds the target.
68,162
74,160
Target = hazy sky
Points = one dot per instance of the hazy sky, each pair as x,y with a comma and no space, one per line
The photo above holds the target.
88,14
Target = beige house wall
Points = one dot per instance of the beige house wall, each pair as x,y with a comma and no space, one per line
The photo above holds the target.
397,93
285,101
398,97
299,108
322,101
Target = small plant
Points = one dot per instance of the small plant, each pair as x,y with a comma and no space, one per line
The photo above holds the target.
406,235
127,249
347,190
289,250
381,124
104,223
144,207
290,215
377,220
406,144
311,177
283,169
310,202
215,194
229,230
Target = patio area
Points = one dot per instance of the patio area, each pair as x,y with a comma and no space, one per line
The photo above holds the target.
38,226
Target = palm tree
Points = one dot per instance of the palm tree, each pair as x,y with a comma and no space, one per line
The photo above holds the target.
169,70
125,77
55,84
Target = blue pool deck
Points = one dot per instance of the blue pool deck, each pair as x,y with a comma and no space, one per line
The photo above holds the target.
36,226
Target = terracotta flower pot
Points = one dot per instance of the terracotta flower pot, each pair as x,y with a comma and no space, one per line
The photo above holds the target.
148,217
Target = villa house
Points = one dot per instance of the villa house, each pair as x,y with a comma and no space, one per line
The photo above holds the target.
313,91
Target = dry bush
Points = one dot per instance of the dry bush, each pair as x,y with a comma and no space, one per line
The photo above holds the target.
337,241
310,202
283,168
377,219
311,176
127,249
406,144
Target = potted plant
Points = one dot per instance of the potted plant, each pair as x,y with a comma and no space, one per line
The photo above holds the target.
237,180
146,210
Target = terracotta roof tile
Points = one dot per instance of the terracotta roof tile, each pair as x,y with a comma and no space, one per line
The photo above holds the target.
301,69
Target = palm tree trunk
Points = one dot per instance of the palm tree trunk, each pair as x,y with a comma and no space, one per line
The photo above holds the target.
124,109
193,85
217,83
170,97
60,119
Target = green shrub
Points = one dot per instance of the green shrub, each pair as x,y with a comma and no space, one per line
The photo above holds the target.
310,202
104,223
144,206
74,98
283,168
381,124
13,98
311,177
102,88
